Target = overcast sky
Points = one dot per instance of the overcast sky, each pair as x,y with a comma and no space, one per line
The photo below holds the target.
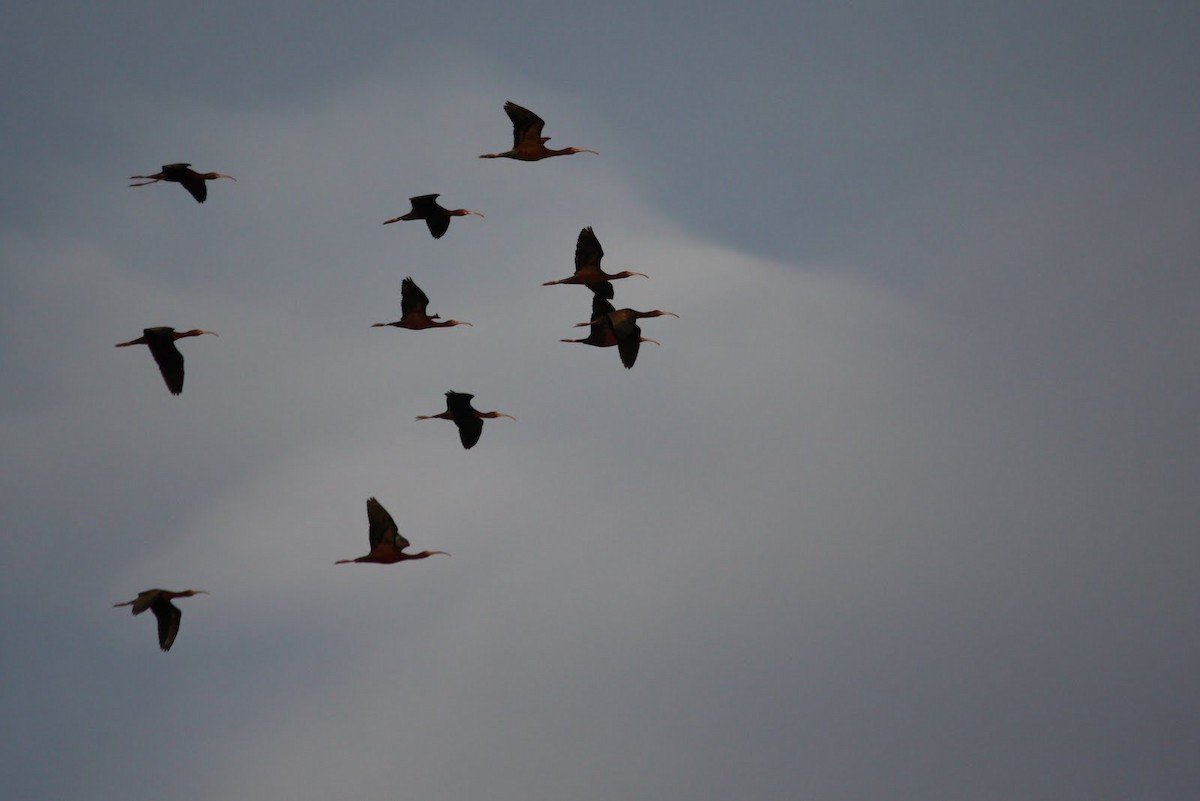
903,507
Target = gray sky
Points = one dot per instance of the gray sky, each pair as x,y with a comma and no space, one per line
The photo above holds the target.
904,507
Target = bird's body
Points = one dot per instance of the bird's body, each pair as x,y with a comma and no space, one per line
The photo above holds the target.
387,544
167,614
631,314
465,416
161,341
413,314
605,332
528,142
182,173
588,254
426,207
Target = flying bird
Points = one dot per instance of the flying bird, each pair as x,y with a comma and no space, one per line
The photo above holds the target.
426,207
182,173
629,314
528,142
605,333
588,254
465,416
161,341
168,615
387,544
413,303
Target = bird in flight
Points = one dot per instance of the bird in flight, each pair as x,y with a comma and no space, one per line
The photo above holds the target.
182,173
465,416
426,207
161,341
413,305
623,332
528,142
588,254
168,615
387,544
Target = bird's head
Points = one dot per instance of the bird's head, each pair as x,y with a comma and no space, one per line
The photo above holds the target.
427,554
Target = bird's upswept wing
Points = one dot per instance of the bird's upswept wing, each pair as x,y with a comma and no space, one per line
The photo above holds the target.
412,299
526,124
383,527
424,204
588,252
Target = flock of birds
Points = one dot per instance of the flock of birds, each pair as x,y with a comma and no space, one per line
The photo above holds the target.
607,327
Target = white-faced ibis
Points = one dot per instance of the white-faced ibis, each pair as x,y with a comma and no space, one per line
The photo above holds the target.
588,254
413,303
182,173
387,544
631,314
465,416
168,615
161,341
426,207
605,333
528,142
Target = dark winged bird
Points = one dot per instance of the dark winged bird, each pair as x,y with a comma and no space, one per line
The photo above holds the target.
161,341
168,615
528,142
413,305
606,332
465,416
182,173
629,314
588,254
387,544
426,207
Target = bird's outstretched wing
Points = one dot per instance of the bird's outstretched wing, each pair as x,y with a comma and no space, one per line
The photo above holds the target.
629,340
588,252
469,429
168,358
424,204
168,616
383,527
412,299
526,124
438,224
196,185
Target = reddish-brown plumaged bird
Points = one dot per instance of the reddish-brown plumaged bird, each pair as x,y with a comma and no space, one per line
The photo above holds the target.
605,333
168,615
413,305
465,416
182,173
629,314
426,207
588,254
161,341
528,142
387,544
